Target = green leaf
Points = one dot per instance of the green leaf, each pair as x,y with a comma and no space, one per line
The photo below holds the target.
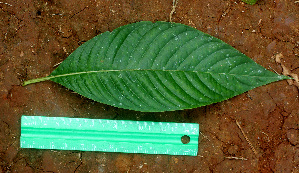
251,2
157,67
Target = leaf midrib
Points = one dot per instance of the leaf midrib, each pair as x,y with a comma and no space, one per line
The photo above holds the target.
124,70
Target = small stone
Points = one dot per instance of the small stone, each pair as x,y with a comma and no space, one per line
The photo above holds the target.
292,120
176,160
21,54
293,136
233,149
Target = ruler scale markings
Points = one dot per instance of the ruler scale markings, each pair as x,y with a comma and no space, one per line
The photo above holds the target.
126,136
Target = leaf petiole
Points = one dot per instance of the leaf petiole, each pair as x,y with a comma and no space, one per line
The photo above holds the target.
37,80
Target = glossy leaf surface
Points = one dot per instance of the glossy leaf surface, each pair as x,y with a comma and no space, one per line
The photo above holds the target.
157,67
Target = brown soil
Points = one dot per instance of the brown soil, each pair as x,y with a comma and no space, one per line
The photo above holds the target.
38,34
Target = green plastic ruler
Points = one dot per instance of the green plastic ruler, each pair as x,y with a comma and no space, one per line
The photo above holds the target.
84,134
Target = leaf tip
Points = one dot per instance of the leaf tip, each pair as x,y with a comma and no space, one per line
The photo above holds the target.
283,77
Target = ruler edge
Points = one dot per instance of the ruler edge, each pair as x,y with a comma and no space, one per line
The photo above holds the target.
23,116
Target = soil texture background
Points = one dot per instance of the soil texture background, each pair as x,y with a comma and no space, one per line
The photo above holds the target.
254,132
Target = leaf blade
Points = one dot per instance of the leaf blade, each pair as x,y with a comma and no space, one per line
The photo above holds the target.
155,67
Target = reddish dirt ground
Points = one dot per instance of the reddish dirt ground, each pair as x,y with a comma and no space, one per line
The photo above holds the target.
35,35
